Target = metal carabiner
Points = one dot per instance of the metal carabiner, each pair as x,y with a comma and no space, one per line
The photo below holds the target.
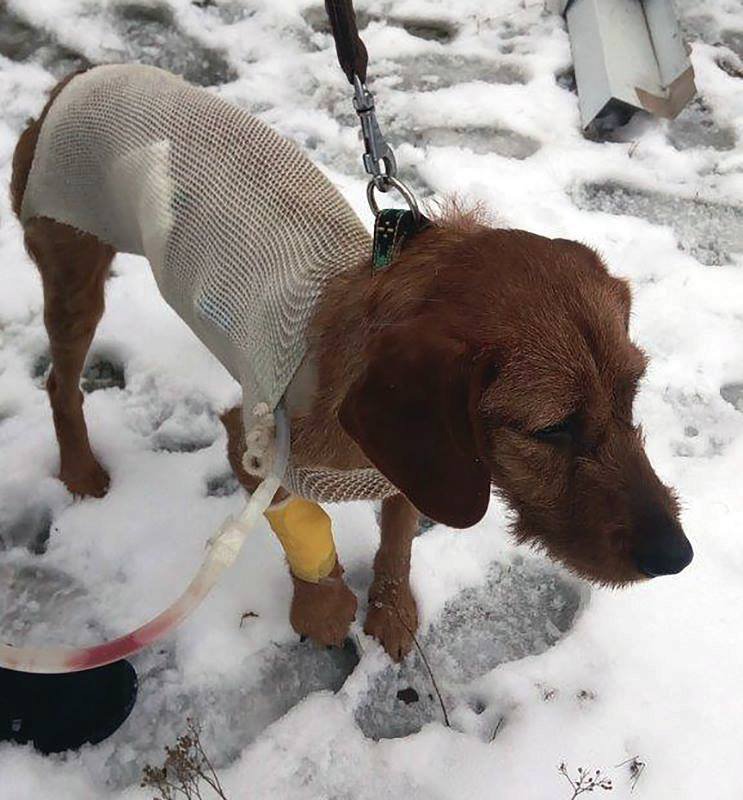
379,160
377,151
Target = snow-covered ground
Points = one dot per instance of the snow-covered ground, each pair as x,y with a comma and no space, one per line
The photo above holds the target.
535,667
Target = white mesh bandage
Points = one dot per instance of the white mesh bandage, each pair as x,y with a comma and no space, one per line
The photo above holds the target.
242,231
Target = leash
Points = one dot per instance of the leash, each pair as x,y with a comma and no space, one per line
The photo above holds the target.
393,227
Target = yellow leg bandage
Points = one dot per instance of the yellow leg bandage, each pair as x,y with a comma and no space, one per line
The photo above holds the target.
306,534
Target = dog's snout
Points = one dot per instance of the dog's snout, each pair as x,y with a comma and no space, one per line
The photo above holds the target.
665,550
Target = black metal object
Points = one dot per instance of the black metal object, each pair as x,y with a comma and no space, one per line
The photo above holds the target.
63,712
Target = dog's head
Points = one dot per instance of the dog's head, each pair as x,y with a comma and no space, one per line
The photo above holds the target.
514,369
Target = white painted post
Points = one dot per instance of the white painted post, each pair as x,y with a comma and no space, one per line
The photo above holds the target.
628,55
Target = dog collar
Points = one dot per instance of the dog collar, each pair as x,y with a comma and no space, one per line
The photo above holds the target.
393,228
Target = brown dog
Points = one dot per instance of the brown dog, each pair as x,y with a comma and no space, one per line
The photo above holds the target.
483,358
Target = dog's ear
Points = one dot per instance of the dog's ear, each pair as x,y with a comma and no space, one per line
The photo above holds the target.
414,414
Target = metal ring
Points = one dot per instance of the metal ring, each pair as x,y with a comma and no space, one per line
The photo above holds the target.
392,183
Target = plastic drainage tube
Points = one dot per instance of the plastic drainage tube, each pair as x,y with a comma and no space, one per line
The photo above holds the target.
224,548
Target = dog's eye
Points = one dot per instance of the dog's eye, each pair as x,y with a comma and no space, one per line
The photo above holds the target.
556,434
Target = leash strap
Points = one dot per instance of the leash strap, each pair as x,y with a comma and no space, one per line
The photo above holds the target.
352,54
393,226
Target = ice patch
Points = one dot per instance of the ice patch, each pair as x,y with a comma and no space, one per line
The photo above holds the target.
39,604
222,485
153,36
191,426
427,72
478,139
27,527
733,394
710,231
101,372
435,30
734,40
522,609
695,127
232,712
317,18
21,41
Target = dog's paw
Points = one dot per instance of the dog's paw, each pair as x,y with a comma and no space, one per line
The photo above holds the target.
323,611
92,481
392,616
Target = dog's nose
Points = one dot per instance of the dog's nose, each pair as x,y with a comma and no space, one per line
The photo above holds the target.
665,551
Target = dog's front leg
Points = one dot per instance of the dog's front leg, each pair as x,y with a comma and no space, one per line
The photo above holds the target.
392,617
323,606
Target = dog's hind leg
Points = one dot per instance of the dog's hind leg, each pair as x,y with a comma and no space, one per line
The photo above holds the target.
73,267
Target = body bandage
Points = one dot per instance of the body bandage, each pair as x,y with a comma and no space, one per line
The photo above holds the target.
241,230
242,233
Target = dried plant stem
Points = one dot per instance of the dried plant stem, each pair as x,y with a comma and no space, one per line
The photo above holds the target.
636,768
214,781
186,768
585,781
497,728
425,661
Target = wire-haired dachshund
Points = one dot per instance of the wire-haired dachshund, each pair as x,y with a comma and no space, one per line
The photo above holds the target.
484,360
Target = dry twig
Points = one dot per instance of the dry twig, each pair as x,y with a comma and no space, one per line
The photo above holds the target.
248,615
585,781
185,771
497,728
425,661
636,768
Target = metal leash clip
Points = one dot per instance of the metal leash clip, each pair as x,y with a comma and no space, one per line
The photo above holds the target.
379,160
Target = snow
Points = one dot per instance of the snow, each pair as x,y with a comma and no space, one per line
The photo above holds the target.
535,667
